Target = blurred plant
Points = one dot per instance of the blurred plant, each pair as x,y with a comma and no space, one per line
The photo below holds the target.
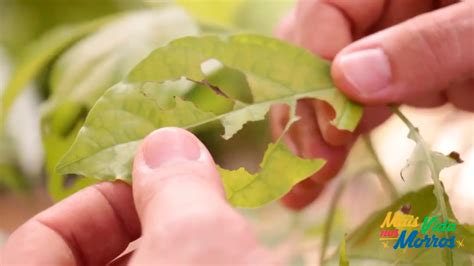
26,20
11,176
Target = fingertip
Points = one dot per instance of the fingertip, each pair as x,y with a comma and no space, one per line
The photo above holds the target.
310,144
279,115
302,195
170,151
168,146
332,28
170,164
171,145
374,115
331,134
363,75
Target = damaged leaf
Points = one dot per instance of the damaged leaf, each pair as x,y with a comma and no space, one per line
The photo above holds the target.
276,73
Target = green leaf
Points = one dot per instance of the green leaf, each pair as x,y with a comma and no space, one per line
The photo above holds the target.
38,55
364,241
275,72
249,190
118,122
234,83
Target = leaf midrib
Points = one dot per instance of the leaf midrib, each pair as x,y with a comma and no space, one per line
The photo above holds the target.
212,119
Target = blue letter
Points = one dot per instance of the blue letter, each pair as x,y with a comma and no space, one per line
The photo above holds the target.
401,239
451,242
428,241
434,240
442,242
418,242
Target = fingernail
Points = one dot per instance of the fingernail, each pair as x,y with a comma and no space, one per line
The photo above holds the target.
168,145
368,71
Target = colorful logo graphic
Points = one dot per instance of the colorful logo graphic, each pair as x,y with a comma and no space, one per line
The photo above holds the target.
409,231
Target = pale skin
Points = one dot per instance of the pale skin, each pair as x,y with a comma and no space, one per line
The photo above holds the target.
177,204
414,52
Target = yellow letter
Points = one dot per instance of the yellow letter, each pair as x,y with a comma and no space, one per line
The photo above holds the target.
388,222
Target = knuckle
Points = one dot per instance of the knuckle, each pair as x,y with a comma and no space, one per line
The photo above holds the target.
441,40
427,34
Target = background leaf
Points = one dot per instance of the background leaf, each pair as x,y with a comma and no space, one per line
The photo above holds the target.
38,55
262,16
26,20
364,241
221,12
248,15
85,71
59,186
11,176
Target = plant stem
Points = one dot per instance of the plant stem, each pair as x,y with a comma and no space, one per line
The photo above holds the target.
438,187
382,174
384,179
330,218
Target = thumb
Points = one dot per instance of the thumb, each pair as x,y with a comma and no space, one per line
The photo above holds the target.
182,208
168,156
424,54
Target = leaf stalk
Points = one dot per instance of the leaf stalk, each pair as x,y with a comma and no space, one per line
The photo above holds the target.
438,187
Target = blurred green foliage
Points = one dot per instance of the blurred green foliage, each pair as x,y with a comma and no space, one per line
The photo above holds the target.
36,57
259,16
22,21
11,177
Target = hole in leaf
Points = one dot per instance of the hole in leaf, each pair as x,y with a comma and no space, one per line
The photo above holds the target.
211,66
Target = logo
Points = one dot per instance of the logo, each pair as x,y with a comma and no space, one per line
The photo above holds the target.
401,230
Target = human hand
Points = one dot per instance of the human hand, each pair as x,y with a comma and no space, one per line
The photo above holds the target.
177,205
381,54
